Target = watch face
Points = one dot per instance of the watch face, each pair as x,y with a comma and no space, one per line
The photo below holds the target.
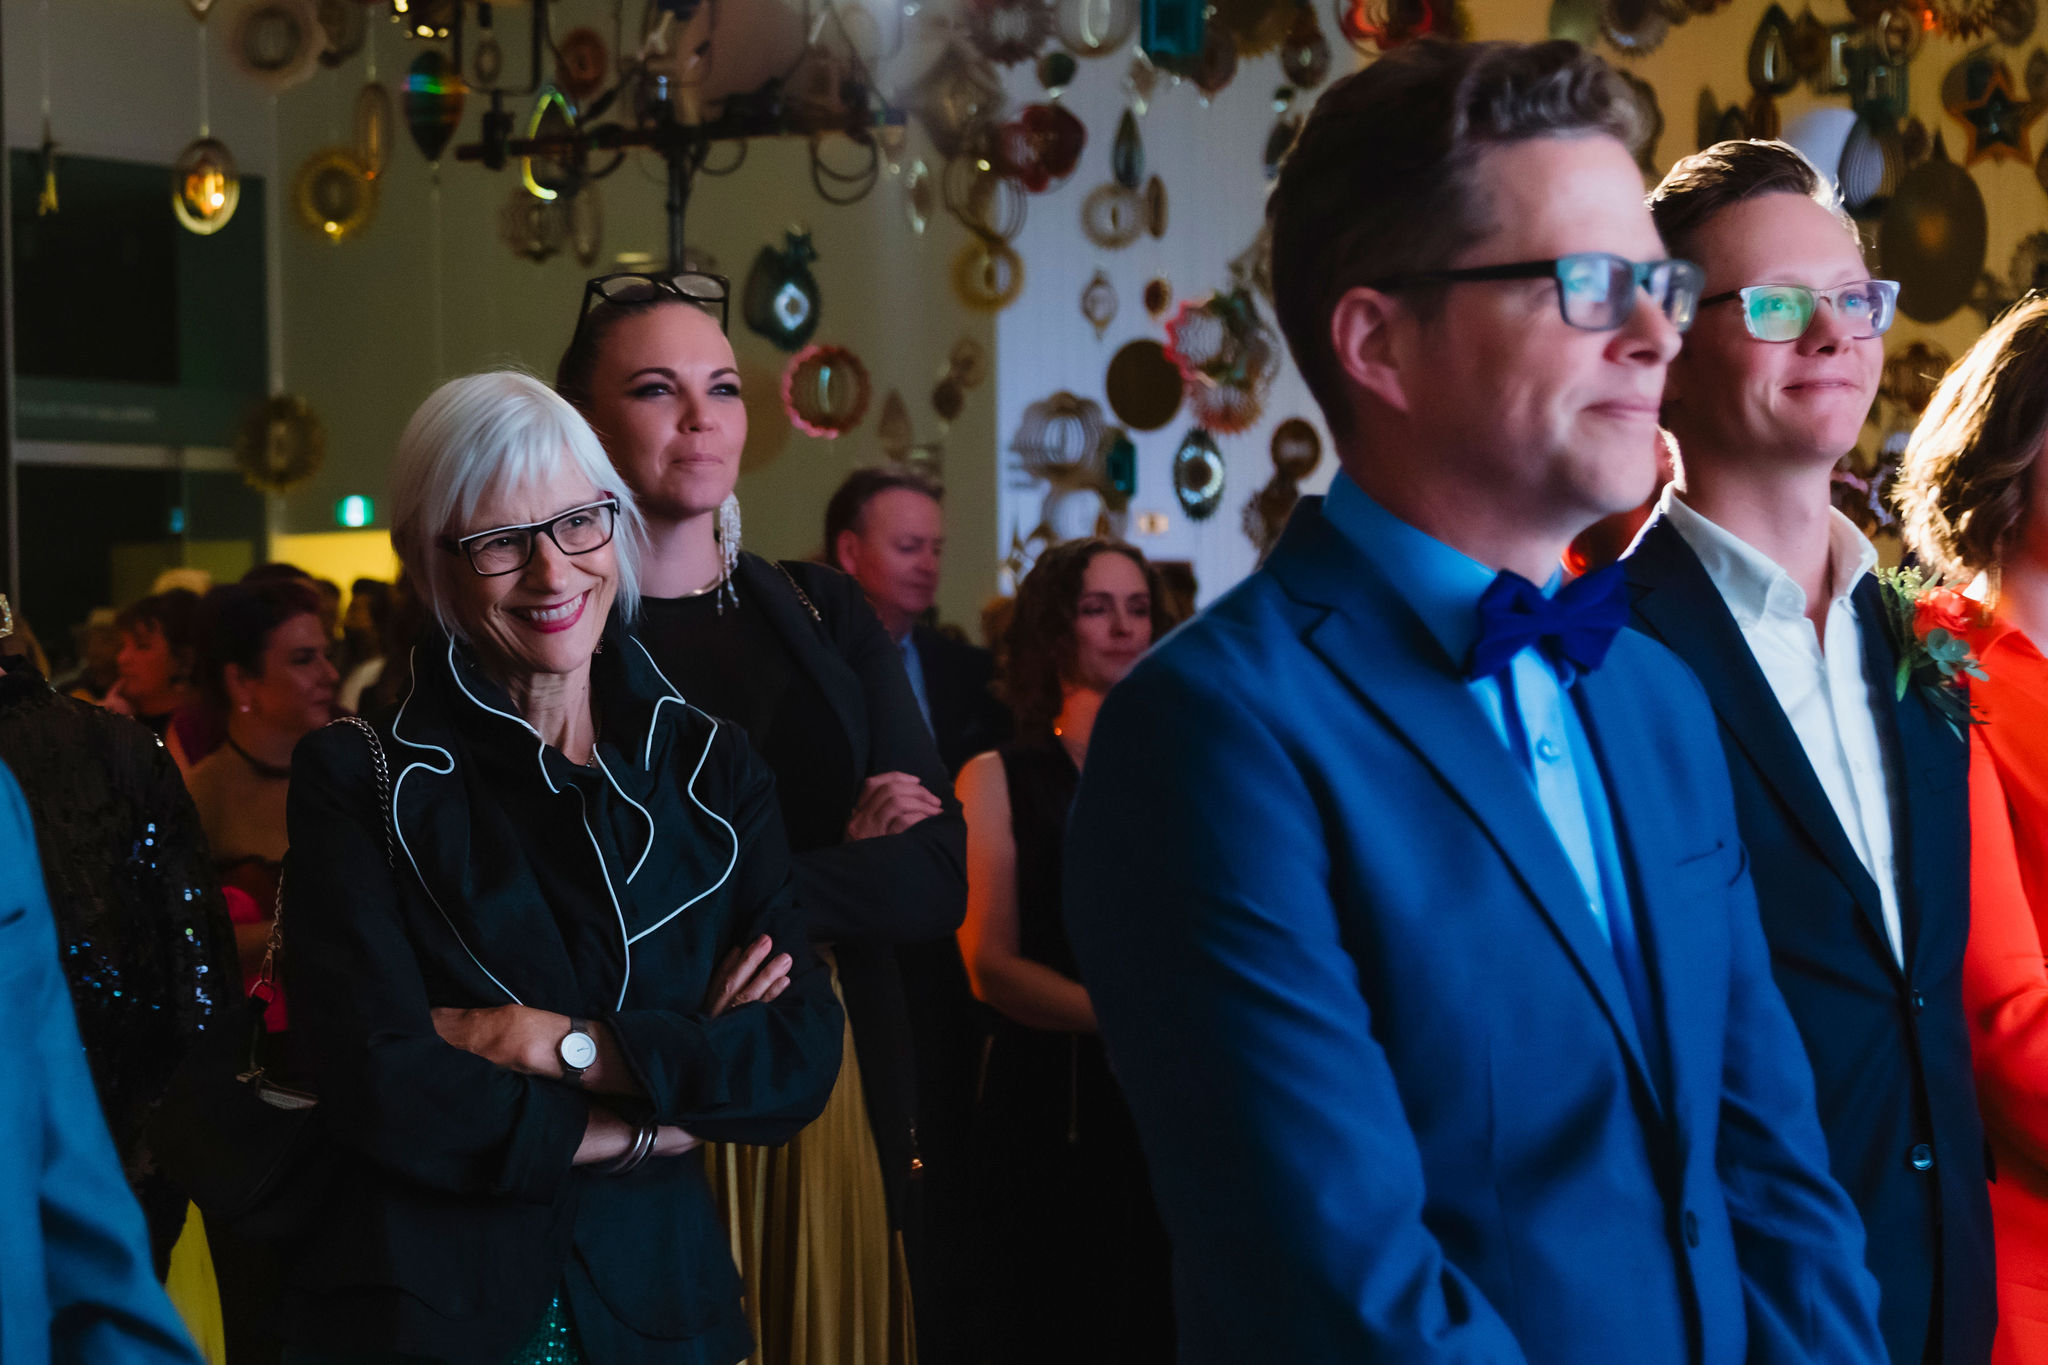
579,1050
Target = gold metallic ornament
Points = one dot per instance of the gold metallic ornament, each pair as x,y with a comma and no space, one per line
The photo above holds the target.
280,444
1113,216
988,275
1099,303
205,187
332,196
374,117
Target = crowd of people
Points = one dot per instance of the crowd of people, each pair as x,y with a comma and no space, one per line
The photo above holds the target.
1566,906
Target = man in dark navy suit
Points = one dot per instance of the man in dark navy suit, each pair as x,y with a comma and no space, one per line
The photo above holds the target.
1406,883
1851,796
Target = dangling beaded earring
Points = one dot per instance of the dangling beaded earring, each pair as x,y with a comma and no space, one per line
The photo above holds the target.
729,550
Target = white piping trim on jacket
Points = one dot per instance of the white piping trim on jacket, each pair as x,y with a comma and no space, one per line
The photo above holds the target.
626,977
540,754
689,788
398,828
648,847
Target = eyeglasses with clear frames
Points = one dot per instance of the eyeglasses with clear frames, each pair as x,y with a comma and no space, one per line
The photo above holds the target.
508,549
1783,312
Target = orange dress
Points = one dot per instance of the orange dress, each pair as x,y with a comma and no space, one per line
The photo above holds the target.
2005,978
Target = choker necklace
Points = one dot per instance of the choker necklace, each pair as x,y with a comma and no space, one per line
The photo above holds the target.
262,769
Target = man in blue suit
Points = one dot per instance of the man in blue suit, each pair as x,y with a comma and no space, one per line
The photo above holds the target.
1408,894
1850,797
76,1284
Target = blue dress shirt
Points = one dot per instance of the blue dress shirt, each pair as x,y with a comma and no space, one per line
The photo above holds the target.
1542,730
913,666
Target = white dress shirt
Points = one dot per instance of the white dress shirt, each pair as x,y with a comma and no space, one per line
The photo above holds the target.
1821,682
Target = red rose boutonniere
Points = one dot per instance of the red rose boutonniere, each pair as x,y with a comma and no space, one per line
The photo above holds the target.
1930,627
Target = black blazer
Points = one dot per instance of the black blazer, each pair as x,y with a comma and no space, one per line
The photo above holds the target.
1890,1049
869,897
608,893
966,717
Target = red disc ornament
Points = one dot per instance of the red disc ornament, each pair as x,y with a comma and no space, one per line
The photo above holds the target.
825,391
1041,146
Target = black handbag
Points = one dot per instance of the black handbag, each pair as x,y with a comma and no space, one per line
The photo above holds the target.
238,1126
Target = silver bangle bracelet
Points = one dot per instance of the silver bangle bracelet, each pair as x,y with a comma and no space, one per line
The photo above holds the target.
643,1146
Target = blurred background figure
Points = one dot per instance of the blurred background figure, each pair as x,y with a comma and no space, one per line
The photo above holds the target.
263,666
360,658
155,670
1074,1261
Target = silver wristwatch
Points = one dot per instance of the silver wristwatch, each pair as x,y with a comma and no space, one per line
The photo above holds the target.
578,1050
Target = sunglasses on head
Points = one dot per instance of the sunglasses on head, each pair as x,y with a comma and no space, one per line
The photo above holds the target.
1596,290
705,290
1783,312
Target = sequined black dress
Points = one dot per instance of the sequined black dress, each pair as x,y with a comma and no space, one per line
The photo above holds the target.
143,935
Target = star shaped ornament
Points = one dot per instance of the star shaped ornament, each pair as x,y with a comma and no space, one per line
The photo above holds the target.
1999,120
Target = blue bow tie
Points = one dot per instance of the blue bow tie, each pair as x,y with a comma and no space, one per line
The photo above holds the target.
1572,630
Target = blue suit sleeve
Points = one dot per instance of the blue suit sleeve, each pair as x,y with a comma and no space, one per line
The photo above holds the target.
1198,902
1798,1239
101,1293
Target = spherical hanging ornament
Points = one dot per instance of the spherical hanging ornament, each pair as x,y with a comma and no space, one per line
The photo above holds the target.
371,141
1040,147
280,444
277,43
1007,31
1143,385
205,187
1256,27
893,432
1059,435
1227,357
1113,216
958,96
949,400
988,275
781,301
1305,56
1911,375
582,61
1158,295
332,197
534,229
1098,303
1198,475
344,25
1056,71
433,102
825,391
1297,448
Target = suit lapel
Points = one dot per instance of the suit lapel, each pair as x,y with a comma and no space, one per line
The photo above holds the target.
1384,653
1678,604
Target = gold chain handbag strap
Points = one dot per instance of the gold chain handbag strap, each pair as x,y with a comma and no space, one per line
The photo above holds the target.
380,765
797,588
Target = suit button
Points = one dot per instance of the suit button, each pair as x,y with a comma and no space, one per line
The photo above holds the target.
1919,1002
1921,1157
1692,1228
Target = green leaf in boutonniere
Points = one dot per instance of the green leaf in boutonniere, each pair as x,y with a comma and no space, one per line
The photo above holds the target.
1930,629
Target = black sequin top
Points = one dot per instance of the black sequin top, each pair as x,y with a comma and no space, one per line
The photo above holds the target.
141,929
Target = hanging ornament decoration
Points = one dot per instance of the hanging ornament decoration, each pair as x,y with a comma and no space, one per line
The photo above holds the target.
987,202
2028,272
959,95
987,275
948,399
1227,358
1911,374
967,366
344,24
1094,28
919,202
1056,71
205,187
1127,153
2037,75
488,63
1139,81
1933,237
1635,27
1964,19
1158,295
893,432
582,61
1899,31
199,8
2013,21
1771,70
1155,206
1996,118
1305,54
280,444
1112,216
1873,162
277,43
550,177
1059,435
825,391
370,141
586,225
534,229
433,102
1198,473
1297,449
46,174
1007,31
1098,303
1143,385
1040,147
780,301
332,196
1809,49
1255,27
1286,128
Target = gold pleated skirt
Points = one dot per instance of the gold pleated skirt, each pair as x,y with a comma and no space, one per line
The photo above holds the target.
826,1279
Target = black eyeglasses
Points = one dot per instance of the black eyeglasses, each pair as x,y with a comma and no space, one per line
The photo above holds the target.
508,549
1596,291
632,286
1783,312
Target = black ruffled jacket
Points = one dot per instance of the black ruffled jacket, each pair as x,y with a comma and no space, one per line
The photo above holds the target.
609,893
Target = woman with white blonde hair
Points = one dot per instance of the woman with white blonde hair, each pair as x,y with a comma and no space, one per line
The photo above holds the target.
553,956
